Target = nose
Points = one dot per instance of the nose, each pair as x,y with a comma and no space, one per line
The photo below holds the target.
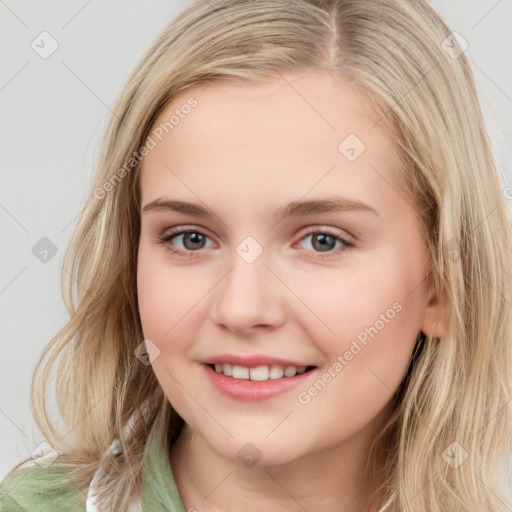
249,296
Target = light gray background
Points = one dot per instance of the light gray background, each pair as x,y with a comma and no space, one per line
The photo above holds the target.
53,115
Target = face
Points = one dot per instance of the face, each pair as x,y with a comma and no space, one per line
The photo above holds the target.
335,285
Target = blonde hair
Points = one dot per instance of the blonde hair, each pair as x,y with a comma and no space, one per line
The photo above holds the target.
457,387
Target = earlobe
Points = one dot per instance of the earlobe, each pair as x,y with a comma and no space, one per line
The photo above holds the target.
435,317
437,330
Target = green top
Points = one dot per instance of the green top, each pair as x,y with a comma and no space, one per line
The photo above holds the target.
51,489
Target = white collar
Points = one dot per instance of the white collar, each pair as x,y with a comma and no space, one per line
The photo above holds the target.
114,449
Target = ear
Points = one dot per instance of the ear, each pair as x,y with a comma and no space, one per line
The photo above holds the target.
436,314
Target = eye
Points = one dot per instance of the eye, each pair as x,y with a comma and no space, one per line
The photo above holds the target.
192,240
324,240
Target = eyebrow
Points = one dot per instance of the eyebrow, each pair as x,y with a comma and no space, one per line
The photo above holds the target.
294,209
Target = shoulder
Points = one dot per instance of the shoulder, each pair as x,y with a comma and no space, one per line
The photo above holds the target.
43,486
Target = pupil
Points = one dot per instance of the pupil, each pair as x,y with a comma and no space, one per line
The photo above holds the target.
196,238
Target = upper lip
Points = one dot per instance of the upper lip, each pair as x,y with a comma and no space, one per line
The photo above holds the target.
250,361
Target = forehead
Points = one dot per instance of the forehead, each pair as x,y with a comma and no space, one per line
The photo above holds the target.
293,133
309,105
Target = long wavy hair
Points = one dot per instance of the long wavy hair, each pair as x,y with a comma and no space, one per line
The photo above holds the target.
454,398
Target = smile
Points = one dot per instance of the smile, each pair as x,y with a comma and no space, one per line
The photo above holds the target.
259,373
258,382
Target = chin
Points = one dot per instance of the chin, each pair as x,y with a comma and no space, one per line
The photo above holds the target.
258,451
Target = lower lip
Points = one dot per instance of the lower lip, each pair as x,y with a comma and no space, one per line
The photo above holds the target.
252,390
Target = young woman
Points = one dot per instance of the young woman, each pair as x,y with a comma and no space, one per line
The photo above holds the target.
292,277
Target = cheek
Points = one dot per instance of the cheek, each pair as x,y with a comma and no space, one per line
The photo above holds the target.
367,357
169,298
157,296
367,318
341,304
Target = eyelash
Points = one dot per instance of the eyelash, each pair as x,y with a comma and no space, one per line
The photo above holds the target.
165,239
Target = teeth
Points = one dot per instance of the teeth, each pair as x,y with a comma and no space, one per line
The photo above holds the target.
276,372
240,372
290,371
258,373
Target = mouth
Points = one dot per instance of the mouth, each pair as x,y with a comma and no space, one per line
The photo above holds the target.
259,373
256,383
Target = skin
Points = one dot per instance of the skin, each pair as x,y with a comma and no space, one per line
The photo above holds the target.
244,151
